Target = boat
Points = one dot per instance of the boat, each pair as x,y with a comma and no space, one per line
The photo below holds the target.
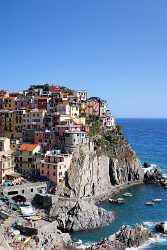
111,200
120,201
149,203
127,195
156,200
117,201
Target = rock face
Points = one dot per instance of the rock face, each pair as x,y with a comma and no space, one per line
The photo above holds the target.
126,237
101,165
79,215
50,236
96,169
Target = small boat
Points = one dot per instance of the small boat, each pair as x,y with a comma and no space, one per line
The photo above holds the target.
117,201
156,200
149,203
127,195
111,200
120,201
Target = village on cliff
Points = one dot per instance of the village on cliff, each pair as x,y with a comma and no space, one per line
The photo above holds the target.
39,130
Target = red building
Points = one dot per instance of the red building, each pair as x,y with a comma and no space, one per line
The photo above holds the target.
54,89
47,139
39,137
42,102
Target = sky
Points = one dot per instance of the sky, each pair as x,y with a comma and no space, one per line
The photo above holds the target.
115,49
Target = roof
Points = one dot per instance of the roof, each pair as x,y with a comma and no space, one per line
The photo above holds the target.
10,97
54,89
27,147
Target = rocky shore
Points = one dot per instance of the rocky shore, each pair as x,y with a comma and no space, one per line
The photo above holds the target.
155,177
126,237
79,215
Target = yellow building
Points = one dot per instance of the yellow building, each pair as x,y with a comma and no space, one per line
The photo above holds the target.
27,158
10,123
9,103
19,124
90,107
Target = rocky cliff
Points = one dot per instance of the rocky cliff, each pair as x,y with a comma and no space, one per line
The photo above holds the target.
96,169
72,215
127,237
99,166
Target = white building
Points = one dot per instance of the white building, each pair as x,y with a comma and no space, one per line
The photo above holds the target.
81,95
73,138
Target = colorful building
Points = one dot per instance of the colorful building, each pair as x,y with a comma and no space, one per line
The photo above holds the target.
6,159
74,110
27,158
72,138
54,166
9,103
10,123
34,119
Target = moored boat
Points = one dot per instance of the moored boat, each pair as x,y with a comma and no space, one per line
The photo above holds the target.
149,203
127,195
120,201
156,200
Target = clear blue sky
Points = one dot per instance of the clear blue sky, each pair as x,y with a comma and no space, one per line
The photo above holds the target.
116,49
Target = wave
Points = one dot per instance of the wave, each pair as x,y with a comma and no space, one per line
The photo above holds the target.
157,238
149,224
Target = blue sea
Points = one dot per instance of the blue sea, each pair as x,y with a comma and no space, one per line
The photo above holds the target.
148,137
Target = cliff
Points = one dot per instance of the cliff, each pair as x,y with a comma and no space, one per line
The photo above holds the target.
101,165
97,168
72,215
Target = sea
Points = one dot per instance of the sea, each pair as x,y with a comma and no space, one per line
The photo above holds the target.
148,137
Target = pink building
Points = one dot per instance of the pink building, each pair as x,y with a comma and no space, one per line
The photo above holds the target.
55,165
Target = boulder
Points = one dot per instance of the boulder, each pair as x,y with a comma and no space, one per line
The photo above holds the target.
161,227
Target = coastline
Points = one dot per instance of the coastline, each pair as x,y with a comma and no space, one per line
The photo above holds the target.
116,191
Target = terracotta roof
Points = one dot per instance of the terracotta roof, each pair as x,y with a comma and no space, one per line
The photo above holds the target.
10,97
27,147
54,89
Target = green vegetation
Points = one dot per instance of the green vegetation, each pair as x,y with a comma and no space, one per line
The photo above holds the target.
65,89
94,126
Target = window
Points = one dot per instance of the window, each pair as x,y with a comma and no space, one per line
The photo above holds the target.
60,174
42,172
54,173
23,191
48,173
31,190
12,192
